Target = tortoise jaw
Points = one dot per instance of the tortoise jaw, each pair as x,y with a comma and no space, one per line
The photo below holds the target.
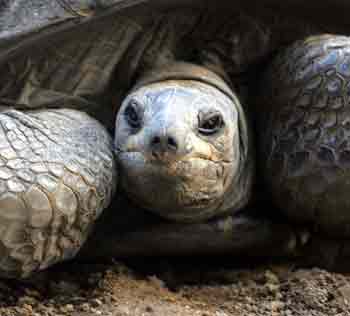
194,211
188,190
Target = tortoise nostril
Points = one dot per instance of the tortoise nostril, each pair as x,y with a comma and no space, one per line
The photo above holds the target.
156,140
172,143
162,144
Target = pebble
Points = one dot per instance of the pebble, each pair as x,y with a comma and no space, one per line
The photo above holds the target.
96,302
67,308
149,309
28,308
271,277
276,305
27,300
85,307
273,288
156,281
345,292
95,311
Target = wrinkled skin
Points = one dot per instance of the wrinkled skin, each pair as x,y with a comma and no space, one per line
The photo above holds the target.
64,157
57,174
305,142
167,165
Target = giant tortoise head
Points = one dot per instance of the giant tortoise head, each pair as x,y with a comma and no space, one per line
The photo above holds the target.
182,144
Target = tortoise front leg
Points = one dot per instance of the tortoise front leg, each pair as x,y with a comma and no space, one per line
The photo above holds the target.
135,232
304,141
304,133
57,174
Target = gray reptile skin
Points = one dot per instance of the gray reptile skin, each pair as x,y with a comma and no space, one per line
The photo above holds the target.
60,95
55,182
306,139
186,175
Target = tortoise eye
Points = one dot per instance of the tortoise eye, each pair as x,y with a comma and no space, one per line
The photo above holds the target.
210,124
133,115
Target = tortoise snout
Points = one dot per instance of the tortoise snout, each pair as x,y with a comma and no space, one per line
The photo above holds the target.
165,144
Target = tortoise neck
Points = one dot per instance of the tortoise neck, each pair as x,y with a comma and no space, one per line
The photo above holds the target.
187,71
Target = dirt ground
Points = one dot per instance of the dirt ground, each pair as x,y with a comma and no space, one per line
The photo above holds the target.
164,288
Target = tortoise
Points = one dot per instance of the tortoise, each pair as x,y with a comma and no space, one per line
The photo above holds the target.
176,126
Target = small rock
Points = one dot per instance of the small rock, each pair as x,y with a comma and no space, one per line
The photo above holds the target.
94,311
18,310
273,288
67,308
28,308
288,312
271,277
149,309
157,282
345,291
276,305
96,302
26,300
278,296
344,297
85,307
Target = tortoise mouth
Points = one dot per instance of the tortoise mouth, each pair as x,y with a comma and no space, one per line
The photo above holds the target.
195,211
185,190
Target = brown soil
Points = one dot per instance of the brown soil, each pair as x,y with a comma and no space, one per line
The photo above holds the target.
172,289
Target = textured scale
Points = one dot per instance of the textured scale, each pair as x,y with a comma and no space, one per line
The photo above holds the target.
305,132
57,174
56,166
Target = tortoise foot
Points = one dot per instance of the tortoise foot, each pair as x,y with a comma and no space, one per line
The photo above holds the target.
56,176
305,131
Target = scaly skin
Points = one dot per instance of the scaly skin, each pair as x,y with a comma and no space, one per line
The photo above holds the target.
92,68
167,165
57,174
305,129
